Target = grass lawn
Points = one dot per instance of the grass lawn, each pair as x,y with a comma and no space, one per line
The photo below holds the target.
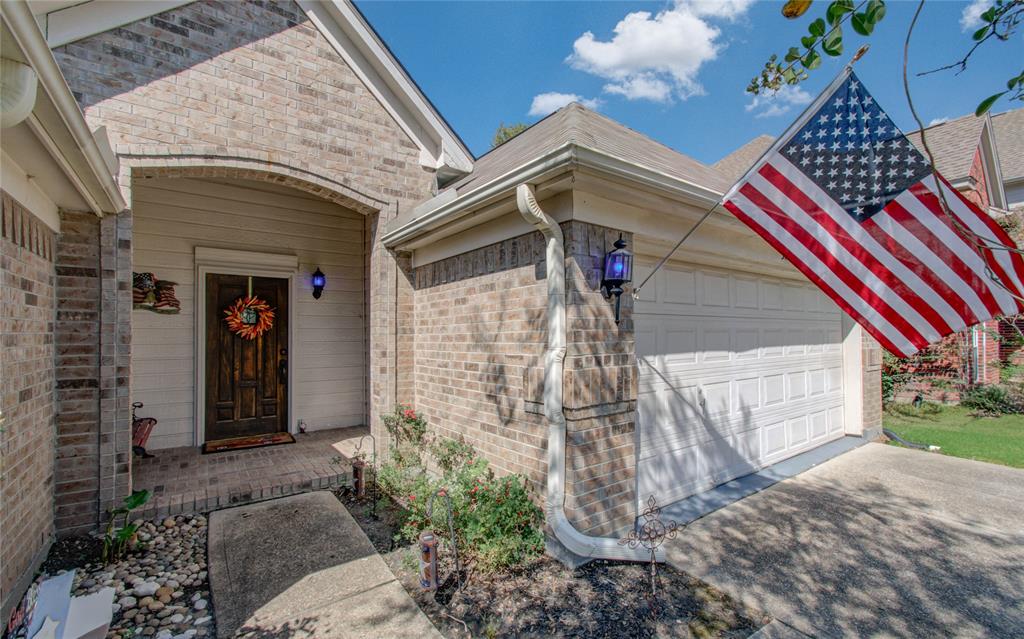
999,440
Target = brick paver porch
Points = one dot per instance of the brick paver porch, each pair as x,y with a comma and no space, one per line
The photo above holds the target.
183,480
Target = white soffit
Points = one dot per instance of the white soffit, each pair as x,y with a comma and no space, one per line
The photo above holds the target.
56,127
64,22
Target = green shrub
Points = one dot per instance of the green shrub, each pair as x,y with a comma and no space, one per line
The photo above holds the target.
924,411
896,374
993,399
496,523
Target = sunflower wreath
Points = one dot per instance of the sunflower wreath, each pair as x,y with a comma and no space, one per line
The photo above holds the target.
249,317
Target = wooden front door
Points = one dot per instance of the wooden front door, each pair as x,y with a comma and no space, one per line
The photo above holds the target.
246,380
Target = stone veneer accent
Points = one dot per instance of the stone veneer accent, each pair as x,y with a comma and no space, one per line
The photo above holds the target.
93,365
478,341
26,397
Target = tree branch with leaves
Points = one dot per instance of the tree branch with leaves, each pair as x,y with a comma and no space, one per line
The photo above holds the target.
999,23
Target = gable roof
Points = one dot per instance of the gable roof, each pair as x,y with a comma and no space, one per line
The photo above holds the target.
577,125
1009,134
737,163
569,139
953,143
346,30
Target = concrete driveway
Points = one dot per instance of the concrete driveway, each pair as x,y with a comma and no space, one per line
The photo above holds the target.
880,542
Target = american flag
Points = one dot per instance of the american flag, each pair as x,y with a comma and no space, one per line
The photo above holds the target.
850,201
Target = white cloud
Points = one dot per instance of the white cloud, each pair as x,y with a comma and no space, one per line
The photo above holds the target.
938,121
656,57
545,103
971,16
646,86
769,105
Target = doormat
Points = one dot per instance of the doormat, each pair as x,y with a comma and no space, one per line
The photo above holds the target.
253,441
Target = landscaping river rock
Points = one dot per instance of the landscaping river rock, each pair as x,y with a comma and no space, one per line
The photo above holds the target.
162,587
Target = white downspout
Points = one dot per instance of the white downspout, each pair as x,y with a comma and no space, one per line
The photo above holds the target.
577,542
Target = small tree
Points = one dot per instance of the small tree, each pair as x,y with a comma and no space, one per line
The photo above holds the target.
506,132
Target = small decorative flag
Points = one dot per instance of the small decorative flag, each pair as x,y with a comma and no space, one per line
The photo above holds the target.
850,201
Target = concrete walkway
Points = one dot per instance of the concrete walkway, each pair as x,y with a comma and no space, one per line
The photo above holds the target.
299,567
880,542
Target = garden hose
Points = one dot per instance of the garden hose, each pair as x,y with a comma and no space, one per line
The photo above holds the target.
891,435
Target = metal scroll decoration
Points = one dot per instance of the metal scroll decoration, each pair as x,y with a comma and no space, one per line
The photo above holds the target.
650,533
249,317
152,294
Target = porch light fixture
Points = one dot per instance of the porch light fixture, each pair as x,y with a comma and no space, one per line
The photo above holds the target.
618,270
319,281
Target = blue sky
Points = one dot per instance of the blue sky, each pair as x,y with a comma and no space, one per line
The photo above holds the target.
676,72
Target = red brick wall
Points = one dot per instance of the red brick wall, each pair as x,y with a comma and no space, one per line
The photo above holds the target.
978,194
26,392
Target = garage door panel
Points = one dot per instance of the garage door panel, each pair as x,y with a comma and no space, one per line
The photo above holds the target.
736,371
677,473
674,417
672,342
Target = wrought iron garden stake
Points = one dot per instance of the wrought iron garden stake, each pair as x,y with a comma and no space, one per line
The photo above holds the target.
451,530
373,467
650,532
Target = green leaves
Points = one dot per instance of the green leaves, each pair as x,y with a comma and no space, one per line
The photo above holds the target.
832,44
865,21
837,10
136,499
861,24
875,11
826,32
987,103
1014,86
811,60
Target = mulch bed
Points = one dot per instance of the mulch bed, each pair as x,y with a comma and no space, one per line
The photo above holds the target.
546,599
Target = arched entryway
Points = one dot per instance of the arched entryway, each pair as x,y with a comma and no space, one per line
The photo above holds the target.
221,234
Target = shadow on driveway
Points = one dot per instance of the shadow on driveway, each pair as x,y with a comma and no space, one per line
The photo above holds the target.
881,541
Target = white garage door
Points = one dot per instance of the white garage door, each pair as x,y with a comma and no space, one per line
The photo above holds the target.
736,372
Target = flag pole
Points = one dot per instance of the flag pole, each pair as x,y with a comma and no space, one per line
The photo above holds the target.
799,122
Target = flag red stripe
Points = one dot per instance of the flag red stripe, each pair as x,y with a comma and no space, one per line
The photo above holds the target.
1016,259
915,264
998,231
811,275
896,211
929,199
855,248
837,267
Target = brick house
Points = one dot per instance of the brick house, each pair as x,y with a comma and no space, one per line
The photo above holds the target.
237,147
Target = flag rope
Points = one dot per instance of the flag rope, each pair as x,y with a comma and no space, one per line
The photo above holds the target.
707,214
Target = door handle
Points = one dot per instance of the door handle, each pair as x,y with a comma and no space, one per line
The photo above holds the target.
282,367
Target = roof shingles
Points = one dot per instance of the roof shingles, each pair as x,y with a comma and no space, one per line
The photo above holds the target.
575,124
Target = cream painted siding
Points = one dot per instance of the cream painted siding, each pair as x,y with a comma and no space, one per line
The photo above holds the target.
328,359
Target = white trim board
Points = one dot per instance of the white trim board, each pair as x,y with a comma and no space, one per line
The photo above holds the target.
231,262
83,19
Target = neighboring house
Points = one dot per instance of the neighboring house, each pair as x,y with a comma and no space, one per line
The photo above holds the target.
265,140
1009,135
